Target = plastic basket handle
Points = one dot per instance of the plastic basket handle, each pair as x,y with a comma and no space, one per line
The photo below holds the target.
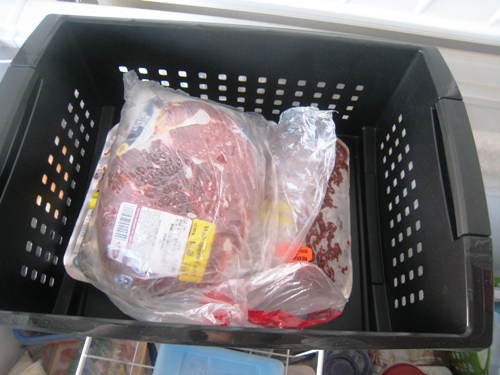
460,163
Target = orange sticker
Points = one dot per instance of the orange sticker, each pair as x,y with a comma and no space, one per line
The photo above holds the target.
304,254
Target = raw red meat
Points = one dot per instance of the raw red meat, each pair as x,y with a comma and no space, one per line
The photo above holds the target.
197,164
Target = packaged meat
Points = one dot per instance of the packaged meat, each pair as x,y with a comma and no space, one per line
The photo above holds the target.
201,203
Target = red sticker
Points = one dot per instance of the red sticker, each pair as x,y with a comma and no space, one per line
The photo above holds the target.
304,254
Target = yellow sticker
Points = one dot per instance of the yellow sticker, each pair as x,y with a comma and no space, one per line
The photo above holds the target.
93,201
122,149
197,251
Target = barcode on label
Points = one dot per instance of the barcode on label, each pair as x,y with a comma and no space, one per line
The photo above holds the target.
123,223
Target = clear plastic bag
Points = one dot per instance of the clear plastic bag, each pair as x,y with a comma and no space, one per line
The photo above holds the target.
202,205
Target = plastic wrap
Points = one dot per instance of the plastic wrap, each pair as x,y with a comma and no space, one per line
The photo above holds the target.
202,207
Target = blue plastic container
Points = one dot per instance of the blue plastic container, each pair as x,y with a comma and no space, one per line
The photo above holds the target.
196,360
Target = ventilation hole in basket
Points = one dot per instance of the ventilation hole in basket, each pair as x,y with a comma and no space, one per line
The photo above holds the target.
390,206
402,257
34,275
321,85
52,234
276,112
410,166
222,98
396,303
184,85
282,81
258,110
68,201
391,224
340,86
59,240
240,78
43,278
315,105
53,187
51,159
47,207
403,133
71,159
201,75
418,225
298,94
360,88
415,204
56,214
295,104
145,79
390,151
142,70
76,118
420,295
64,220
48,256
400,237
123,69
412,298
420,270
278,102
165,83
395,282
388,190
259,101
43,229
407,148
51,282
70,107
394,262
387,137
280,92
204,96
301,83
403,279
56,258
82,104
223,77
38,200
396,200
349,108
405,192
393,166
410,252
261,91
38,251
386,174
262,80
384,159
413,184
203,86
403,301
395,182
398,218
87,137
332,106
82,152
64,150
163,72
58,168
92,123
56,140
408,232
76,93
411,275
29,246
336,97
45,178
400,157
407,211
77,144
354,98
34,222
24,271
396,142
317,95
382,145
240,100
393,242
345,117
402,175
70,134
400,118
66,176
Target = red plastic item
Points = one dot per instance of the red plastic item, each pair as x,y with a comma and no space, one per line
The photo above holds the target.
403,369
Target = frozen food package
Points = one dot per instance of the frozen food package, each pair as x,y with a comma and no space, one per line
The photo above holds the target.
193,208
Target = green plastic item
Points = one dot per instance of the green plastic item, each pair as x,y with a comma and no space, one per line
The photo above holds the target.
473,363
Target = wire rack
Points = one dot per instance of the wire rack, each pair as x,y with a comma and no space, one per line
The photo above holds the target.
136,365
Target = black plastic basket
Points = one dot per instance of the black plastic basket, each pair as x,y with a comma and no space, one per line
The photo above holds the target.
420,231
